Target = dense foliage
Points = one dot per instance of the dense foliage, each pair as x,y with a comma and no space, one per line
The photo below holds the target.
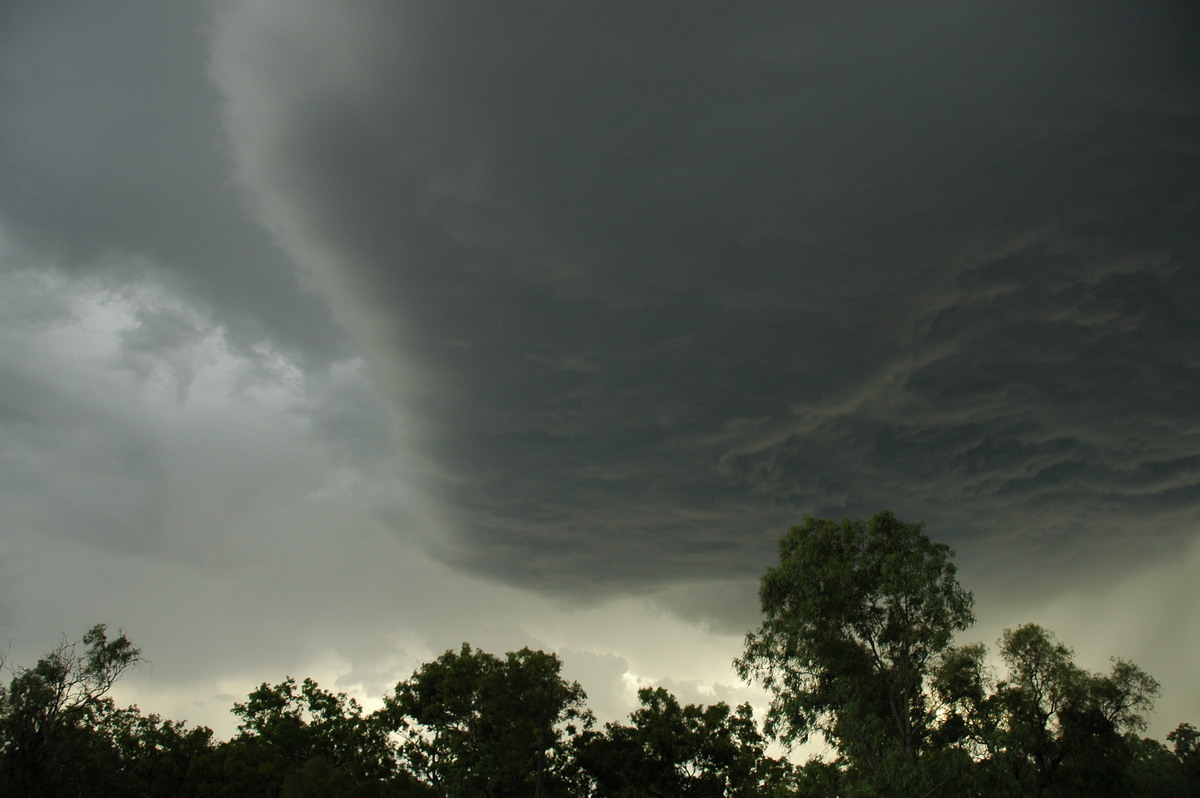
856,646
856,615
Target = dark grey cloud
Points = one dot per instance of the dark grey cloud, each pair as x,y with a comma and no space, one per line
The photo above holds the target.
681,277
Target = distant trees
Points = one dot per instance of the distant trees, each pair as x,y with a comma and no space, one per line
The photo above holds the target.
856,645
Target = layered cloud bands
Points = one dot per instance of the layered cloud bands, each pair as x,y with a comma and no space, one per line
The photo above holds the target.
653,283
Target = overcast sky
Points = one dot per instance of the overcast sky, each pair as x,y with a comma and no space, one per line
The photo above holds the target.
335,334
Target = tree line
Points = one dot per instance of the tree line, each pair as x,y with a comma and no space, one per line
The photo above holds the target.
856,647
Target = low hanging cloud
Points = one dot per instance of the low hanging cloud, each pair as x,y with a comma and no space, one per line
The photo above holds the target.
655,287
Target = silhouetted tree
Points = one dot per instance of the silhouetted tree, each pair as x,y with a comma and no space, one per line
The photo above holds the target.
159,758
1186,741
674,751
473,724
51,712
1050,727
856,645
296,739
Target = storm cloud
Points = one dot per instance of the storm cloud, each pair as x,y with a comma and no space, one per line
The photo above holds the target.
557,308
654,285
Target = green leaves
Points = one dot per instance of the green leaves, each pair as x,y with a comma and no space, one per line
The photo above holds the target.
856,615
475,724
296,733
51,710
673,750
856,644
1051,724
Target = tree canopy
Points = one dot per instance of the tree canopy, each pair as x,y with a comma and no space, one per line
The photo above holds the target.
857,645
472,723
856,614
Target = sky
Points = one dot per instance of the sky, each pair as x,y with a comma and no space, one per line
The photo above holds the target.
333,335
